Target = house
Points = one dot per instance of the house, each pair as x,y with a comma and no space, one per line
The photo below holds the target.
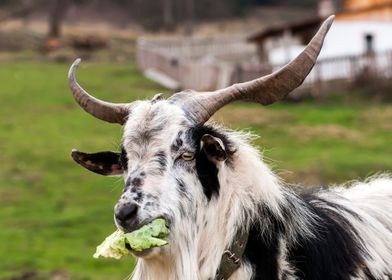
361,38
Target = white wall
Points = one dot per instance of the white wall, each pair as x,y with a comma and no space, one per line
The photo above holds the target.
344,38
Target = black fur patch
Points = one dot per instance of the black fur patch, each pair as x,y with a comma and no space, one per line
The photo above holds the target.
262,249
181,187
138,196
178,142
336,253
263,255
161,158
123,159
137,181
206,170
208,175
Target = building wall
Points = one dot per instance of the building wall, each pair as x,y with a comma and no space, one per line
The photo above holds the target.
345,38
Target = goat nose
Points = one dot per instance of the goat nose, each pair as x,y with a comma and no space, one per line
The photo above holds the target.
126,212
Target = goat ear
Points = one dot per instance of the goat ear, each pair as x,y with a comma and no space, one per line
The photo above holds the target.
104,163
213,147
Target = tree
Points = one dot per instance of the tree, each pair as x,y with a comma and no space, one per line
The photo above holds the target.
190,16
56,17
168,17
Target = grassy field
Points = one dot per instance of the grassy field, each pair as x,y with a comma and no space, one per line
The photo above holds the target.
53,213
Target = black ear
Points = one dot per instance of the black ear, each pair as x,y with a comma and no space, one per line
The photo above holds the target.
104,163
213,147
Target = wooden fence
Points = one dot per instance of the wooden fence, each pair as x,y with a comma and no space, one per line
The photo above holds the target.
211,63
197,63
346,69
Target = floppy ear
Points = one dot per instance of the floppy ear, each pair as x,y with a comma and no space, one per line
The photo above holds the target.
104,163
213,147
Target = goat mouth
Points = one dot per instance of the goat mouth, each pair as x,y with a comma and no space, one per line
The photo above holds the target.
139,254
143,223
149,235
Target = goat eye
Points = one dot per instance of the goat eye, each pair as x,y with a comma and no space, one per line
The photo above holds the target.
188,156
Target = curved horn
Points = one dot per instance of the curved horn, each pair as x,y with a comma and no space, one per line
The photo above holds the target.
265,90
110,112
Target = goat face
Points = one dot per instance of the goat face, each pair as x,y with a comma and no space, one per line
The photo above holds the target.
169,166
169,158
158,165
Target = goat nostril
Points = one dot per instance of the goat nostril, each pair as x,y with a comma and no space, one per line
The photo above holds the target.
126,212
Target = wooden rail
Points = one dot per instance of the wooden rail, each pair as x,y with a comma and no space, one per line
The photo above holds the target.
348,69
211,63
197,63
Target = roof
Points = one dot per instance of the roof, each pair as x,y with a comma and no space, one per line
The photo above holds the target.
293,27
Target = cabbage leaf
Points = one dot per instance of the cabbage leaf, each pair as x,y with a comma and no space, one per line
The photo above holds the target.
149,236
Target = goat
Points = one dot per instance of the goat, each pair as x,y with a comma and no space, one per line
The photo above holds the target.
230,216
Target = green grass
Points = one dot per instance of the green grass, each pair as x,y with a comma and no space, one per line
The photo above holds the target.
320,143
53,213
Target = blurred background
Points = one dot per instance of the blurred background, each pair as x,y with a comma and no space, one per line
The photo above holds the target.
335,128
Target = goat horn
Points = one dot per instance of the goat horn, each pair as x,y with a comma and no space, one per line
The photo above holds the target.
265,90
110,112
